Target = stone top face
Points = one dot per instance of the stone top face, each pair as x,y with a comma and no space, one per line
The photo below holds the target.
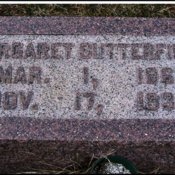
85,74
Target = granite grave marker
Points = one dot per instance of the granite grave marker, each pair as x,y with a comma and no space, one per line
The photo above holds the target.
86,86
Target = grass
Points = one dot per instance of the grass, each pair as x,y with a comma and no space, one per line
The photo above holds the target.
120,10
74,169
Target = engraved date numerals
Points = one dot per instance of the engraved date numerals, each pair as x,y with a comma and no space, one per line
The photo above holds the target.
89,95
153,101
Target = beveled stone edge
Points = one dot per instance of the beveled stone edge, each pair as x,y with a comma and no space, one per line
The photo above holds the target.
121,130
56,25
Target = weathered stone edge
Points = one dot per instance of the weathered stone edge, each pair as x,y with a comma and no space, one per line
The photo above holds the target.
86,25
137,130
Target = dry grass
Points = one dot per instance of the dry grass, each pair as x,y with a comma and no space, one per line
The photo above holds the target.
89,10
77,168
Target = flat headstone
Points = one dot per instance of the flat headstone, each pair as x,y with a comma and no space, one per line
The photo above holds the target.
84,86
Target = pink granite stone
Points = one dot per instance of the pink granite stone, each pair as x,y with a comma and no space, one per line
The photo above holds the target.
28,143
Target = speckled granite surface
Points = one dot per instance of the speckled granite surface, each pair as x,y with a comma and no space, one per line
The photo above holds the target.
48,142
63,79
86,25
